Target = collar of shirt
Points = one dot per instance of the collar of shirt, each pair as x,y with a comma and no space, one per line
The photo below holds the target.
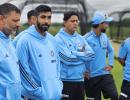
102,39
3,36
32,30
94,34
67,34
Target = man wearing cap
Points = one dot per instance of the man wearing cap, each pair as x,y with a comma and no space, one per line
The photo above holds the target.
100,78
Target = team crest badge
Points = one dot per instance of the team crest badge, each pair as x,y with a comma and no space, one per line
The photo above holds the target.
52,53
104,43
40,55
6,56
79,45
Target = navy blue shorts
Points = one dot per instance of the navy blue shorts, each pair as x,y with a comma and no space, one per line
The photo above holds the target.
101,84
125,90
74,90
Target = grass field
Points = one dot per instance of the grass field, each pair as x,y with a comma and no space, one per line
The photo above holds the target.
117,70
118,74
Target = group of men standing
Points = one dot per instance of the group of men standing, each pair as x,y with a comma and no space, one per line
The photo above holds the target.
38,66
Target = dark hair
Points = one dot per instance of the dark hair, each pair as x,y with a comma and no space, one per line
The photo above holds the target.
95,25
68,14
42,8
30,14
6,8
0,10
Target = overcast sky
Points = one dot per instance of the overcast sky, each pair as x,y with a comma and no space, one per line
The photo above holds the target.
107,6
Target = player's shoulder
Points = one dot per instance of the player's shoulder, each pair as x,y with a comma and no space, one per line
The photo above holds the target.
126,42
87,35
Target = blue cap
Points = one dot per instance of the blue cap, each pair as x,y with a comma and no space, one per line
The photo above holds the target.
100,17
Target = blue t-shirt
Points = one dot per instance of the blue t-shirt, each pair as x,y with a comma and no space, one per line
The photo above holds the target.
101,46
124,53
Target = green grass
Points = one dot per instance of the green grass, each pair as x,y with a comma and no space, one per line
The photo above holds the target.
118,68
118,74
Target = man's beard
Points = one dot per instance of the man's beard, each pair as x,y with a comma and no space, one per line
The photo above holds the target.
103,30
8,31
43,27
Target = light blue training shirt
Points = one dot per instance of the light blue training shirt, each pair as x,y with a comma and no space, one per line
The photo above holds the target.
10,82
124,53
39,66
102,47
74,51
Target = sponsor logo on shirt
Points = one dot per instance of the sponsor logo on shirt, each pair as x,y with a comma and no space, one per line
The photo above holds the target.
53,61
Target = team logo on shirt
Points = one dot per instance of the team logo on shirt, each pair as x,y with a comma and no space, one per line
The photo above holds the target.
69,45
40,55
94,45
52,53
79,47
104,43
53,61
6,56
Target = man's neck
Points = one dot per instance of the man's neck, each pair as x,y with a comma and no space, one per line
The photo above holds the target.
6,32
97,32
69,32
42,33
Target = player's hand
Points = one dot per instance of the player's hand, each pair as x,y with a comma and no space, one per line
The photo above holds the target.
108,68
86,75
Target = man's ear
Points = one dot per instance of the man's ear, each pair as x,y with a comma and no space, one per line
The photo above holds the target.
33,18
1,17
64,22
